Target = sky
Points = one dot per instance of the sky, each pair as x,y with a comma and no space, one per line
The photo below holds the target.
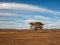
16,14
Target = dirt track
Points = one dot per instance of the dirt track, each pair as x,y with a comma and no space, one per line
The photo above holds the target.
25,37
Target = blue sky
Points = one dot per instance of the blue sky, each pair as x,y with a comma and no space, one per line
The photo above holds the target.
16,14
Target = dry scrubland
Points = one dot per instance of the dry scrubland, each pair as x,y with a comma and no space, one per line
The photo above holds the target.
29,37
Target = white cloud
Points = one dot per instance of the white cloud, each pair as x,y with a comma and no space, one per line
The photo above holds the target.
7,22
9,14
42,17
27,7
53,25
48,24
10,25
22,8
29,20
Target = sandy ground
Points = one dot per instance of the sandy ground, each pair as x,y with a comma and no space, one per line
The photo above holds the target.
29,37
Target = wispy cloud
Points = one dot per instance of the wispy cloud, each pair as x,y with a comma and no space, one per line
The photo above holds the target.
11,25
27,7
42,17
54,25
30,20
13,14
9,14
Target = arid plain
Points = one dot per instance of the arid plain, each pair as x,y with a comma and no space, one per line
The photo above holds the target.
29,37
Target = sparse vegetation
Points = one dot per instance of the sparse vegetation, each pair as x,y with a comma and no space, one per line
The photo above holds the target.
36,25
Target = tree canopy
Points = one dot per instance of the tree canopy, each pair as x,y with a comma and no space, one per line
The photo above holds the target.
36,25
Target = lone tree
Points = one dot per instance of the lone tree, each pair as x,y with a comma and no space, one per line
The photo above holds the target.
36,25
